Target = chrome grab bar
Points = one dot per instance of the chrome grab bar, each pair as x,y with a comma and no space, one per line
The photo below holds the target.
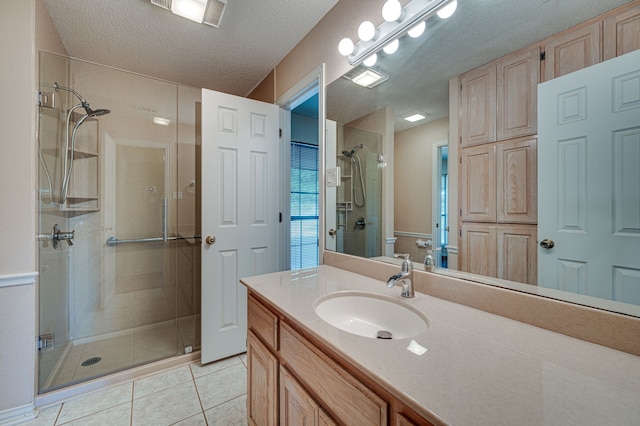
113,241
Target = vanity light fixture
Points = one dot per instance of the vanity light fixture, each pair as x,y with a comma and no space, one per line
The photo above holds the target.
392,47
201,11
448,10
371,60
417,30
395,25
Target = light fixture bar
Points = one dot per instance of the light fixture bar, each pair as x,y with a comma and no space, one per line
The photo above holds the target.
414,12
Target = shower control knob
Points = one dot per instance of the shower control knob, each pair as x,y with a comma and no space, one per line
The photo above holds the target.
547,244
211,240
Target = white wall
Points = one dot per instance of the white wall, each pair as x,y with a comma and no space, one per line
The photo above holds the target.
17,209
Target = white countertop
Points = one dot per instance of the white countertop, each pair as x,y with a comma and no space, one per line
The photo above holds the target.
480,368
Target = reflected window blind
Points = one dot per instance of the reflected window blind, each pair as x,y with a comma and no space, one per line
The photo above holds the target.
304,205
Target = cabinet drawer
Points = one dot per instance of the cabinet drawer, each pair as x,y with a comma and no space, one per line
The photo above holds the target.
335,389
263,323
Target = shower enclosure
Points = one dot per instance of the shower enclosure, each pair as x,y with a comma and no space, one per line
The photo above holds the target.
359,197
119,249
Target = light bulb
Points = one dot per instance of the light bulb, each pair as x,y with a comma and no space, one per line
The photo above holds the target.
417,30
366,31
346,47
448,9
391,47
392,10
371,60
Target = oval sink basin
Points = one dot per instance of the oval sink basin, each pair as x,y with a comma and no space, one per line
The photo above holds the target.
370,315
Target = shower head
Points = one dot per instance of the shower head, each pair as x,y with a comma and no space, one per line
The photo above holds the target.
90,112
96,112
353,151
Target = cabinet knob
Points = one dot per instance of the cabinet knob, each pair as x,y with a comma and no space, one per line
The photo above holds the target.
211,240
547,244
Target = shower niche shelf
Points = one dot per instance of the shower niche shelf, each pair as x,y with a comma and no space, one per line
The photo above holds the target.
84,187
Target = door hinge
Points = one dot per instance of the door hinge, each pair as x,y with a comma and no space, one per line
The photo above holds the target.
543,55
280,217
46,342
280,132
460,140
460,212
460,233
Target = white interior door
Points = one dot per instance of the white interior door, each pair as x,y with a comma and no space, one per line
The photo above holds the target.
589,180
240,208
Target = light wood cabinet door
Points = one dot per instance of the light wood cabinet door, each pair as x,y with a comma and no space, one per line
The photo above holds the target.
297,408
622,31
517,170
518,76
517,253
478,106
262,383
478,249
478,184
572,50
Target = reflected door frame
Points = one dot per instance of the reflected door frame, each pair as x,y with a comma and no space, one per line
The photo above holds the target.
436,198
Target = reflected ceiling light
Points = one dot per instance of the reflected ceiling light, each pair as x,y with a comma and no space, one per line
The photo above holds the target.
392,47
392,10
365,77
371,60
161,121
346,47
202,11
366,31
414,116
448,10
417,30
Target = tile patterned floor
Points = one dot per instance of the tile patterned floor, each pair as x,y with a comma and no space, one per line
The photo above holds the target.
213,394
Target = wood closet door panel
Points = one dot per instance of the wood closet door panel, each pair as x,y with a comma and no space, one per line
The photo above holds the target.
478,249
572,50
517,189
518,76
478,106
622,31
478,184
517,253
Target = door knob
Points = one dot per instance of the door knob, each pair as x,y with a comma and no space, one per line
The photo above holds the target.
211,240
332,232
547,244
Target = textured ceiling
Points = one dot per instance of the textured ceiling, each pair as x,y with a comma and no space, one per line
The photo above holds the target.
479,32
253,37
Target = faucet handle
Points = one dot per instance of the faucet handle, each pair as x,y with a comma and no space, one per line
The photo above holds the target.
401,256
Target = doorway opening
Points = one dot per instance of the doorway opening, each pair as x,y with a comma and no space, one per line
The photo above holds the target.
441,205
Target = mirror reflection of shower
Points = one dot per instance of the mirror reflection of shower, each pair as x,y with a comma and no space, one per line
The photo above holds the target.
69,141
357,172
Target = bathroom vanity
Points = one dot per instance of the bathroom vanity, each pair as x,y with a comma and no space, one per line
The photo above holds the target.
466,367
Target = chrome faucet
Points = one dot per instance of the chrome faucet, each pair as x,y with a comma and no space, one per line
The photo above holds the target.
405,277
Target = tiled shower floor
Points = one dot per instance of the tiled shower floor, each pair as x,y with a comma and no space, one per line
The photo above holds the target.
136,347
214,394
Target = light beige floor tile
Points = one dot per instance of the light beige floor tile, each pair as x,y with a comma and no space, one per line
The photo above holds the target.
46,417
200,370
119,415
243,358
230,413
161,381
167,407
197,420
95,402
222,386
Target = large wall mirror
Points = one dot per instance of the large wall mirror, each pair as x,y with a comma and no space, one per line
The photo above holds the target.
392,184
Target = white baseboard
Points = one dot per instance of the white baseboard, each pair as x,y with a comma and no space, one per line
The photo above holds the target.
14,416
